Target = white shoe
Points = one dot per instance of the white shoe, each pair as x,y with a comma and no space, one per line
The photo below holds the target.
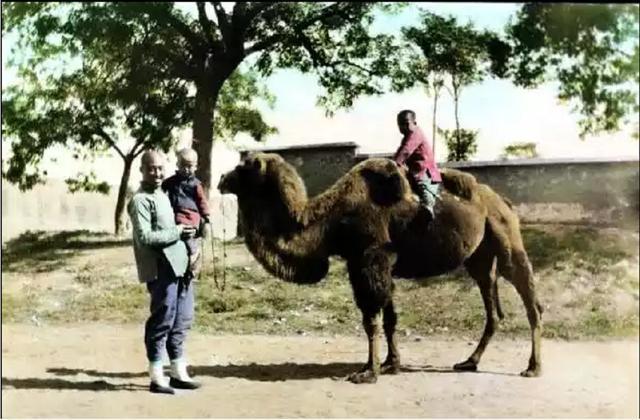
179,370
156,374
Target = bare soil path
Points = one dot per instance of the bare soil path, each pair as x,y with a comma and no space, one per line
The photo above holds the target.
97,370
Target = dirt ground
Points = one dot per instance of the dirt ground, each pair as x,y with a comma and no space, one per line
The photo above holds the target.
99,371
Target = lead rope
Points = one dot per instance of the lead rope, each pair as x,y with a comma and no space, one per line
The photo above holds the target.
213,255
224,247
224,251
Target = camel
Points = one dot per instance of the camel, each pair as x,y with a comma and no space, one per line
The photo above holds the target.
371,218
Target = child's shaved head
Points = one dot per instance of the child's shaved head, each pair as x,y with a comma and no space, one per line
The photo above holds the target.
187,155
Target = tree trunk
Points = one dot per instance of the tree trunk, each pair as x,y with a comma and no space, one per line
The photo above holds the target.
433,128
206,98
456,97
122,195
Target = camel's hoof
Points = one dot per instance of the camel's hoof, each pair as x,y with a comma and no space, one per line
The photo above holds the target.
466,366
531,373
390,368
366,377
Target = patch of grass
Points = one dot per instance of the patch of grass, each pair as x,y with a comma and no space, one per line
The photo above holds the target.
17,308
587,279
586,247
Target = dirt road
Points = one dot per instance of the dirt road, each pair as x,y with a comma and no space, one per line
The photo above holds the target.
99,371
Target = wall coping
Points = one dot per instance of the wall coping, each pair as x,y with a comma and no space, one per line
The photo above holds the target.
516,162
334,145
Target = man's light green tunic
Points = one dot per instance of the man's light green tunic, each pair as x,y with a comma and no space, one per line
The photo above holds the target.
155,233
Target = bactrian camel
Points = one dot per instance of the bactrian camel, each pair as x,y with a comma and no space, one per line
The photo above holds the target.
370,218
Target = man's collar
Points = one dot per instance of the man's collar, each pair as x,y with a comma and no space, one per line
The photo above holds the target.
148,187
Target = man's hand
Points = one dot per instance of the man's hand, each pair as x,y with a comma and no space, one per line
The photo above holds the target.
186,231
204,229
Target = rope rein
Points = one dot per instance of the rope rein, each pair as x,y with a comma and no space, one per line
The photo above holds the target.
224,251
224,247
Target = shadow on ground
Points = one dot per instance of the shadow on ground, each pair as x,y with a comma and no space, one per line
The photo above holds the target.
42,251
65,384
268,372
254,372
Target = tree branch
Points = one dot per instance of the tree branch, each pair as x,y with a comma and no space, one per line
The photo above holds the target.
205,23
320,15
264,44
254,9
223,22
317,58
135,153
183,29
110,141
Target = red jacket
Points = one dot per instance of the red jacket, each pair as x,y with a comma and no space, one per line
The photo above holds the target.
415,151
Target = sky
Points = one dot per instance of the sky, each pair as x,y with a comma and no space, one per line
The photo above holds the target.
502,113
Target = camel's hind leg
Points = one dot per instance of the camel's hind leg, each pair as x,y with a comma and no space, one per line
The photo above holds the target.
482,268
519,272
498,305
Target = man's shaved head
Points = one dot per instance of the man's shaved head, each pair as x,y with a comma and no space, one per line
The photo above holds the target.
152,168
150,156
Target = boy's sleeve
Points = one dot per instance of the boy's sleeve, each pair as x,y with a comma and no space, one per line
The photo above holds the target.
140,214
201,201
409,144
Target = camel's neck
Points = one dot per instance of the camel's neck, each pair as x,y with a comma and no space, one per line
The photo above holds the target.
332,203
284,248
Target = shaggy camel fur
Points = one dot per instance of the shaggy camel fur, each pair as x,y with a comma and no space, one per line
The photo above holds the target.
371,219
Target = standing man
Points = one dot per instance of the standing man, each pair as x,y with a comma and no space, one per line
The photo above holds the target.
161,260
416,153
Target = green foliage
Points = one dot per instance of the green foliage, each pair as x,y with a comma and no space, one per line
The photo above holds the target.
122,83
235,112
462,144
441,46
440,52
520,150
591,49
87,108
331,39
458,50
88,183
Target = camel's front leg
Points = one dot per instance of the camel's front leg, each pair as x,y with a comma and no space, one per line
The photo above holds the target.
392,363
369,373
370,278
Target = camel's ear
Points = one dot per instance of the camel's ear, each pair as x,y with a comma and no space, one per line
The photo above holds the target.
384,189
259,166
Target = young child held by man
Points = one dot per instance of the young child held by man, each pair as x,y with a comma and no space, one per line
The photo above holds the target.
189,203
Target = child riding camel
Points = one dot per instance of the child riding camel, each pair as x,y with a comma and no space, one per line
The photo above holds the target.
416,154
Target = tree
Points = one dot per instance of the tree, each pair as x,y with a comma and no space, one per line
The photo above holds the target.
206,48
93,107
459,52
591,49
520,150
415,70
461,143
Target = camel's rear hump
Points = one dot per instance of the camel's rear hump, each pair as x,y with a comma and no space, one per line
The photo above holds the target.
459,183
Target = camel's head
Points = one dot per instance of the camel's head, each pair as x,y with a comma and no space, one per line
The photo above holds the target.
248,176
268,178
